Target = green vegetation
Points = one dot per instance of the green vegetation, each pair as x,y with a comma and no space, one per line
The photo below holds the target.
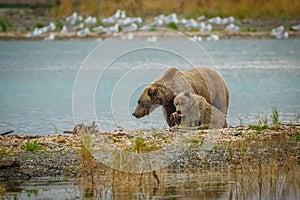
261,125
59,24
39,25
141,146
193,140
2,152
251,29
297,118
241,122
263,122
297,136
5,24
87,141
275,117
55,130
32,146
2,188
173,26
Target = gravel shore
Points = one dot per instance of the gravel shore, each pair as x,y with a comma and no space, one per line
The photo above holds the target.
58,155
7,36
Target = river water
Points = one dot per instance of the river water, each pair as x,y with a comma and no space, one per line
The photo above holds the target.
46,87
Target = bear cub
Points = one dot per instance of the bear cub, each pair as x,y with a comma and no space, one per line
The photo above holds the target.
194,110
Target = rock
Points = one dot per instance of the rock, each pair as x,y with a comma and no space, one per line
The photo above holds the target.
4,164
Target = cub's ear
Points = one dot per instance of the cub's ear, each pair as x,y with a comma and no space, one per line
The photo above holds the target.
152,91
187,94
174,95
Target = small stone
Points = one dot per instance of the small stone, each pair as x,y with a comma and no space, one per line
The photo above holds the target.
11,154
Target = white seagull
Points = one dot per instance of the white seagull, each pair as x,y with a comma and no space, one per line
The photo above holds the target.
212,37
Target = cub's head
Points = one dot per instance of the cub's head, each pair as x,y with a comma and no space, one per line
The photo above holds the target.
184,102
147,102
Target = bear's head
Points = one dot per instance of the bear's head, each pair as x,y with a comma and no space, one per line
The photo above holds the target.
185,103
152,96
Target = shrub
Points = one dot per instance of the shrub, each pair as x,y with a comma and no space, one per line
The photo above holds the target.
173,26
32,146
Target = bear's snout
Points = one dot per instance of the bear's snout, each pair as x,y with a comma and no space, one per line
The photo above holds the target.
178,111
140,114
137,115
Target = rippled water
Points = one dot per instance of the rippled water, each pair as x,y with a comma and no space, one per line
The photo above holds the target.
37,79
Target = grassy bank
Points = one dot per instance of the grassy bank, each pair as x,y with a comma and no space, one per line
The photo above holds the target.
253,19
241,9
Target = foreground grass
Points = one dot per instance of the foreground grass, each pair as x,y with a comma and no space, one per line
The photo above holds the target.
258,166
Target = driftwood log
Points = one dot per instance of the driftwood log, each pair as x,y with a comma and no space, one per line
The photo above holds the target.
82,128
7,132
4,164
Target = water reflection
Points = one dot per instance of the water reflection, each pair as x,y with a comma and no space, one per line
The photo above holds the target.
203,185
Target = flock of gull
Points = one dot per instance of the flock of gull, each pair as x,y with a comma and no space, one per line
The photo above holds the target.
120,22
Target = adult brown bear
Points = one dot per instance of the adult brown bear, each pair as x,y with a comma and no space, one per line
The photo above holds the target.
202,81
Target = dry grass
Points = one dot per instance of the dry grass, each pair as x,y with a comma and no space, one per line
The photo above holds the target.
261,9
257,168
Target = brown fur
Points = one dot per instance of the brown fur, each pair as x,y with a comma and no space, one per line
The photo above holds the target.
197,111
202,81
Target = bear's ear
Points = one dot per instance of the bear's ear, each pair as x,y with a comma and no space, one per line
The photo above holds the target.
152,91
187,94
170,73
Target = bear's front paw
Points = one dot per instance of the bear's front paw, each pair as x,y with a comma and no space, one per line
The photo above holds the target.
174,116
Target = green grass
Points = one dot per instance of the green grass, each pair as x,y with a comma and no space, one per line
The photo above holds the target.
2,188
296,135
141,146
275,116
39,25
193,140
241,122
262,124
59,24
173,26
55,130
32,146
5,24
2,152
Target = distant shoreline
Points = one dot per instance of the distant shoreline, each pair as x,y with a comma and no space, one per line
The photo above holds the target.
12,36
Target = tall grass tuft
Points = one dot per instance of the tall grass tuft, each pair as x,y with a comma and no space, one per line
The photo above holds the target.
32,146
275,117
